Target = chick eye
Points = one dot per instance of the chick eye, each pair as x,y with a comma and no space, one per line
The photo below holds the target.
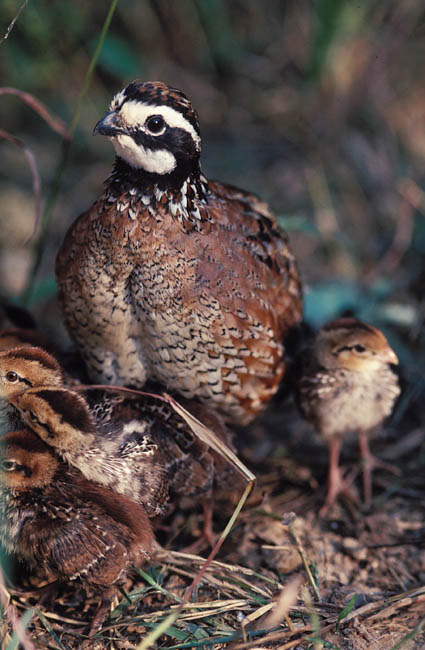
32,416
359,348
12,377
8,465
155,124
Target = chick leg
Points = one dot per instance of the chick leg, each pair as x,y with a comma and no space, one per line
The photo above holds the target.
207,537
337,484
369,463
99,617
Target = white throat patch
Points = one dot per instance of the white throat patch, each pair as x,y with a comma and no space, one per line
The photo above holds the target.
157,162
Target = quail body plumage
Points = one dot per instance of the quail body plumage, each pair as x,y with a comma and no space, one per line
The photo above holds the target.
172,277
346,385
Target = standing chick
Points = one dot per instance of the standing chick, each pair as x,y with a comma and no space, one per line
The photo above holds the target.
347,385
55,519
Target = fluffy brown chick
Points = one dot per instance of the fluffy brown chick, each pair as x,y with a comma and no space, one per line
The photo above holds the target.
347,385
121,455
138,447
73,529
195,472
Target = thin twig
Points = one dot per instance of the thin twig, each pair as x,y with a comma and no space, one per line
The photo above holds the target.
289,522
12,24
55,123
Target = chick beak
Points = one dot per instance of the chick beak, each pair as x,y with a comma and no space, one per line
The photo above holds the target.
110,125
390,357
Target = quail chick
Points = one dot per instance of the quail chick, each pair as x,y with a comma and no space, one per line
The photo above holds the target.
21,368
55,519
172,277
121,455
347,385
138,447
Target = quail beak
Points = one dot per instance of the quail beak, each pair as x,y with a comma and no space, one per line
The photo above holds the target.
390,357
110,125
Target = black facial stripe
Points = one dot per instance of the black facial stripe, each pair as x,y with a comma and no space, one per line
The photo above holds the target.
25,441
46,427
174,139
25,381
69,407
347,347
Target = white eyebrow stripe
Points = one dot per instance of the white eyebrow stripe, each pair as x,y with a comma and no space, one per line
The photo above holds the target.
117,100
135,113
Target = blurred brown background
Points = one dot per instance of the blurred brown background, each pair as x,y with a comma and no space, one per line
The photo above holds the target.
319,107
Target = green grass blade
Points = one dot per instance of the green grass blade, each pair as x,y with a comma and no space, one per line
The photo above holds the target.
24,621
171,618
56,183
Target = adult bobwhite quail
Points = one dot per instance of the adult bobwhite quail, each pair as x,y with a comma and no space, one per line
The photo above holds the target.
173,277
346,385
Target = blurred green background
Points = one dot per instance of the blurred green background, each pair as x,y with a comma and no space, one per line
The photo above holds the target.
319,107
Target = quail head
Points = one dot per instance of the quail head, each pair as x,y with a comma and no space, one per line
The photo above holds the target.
347,385
55,519
26,366
21,368
174,278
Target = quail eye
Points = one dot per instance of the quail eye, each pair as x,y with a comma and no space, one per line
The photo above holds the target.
359,348
8,465
155,124
12,377
32,416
